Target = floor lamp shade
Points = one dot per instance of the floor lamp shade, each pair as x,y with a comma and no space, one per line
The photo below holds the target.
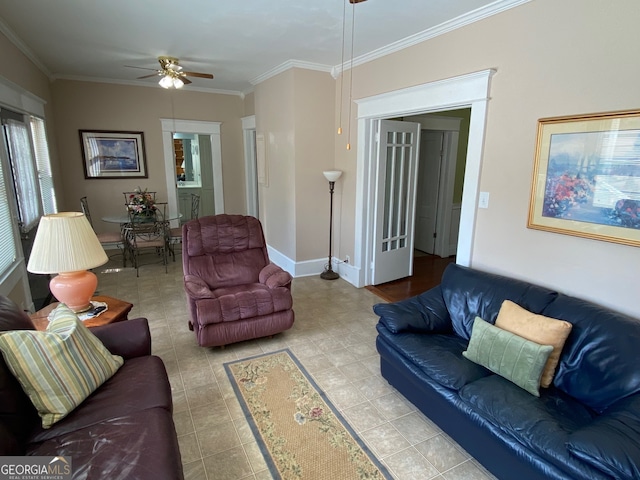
66,244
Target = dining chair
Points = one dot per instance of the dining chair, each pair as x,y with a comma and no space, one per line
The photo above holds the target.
108,240
147,233
175,234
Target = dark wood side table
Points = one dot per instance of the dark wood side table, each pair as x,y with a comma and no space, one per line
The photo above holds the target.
117,311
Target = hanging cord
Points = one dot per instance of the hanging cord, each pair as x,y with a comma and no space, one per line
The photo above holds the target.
353,28
344,14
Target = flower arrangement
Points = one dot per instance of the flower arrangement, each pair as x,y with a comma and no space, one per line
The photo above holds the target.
141,202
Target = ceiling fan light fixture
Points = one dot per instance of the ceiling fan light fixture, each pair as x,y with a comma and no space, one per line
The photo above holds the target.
166,81
177,83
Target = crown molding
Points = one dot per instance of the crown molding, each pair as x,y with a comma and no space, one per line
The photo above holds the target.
20,45
473,16
283,67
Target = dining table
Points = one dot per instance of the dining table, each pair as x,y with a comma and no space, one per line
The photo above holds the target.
123,218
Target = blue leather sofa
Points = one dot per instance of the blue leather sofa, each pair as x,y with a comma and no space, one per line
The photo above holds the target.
586,425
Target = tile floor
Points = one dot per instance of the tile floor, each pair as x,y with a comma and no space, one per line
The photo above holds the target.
334,338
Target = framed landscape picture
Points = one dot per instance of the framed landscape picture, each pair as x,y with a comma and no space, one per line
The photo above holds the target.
113,154
586,179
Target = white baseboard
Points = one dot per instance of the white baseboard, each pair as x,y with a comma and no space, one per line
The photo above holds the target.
309,268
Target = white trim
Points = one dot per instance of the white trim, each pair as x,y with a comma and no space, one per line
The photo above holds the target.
471,90
454,227
281,260
283,67
16,97
250,167
468,18
170,126
308,268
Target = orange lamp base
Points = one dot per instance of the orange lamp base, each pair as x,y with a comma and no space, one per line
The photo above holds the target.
74,289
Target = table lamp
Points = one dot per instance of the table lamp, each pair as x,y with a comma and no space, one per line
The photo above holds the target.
66,244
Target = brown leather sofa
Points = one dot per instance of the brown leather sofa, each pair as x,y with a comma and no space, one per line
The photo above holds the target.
234,293
124,430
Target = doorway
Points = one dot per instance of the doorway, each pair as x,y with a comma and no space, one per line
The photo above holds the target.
443,150
466,91
251,164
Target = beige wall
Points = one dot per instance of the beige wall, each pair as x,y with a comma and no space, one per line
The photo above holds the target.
249,105
314,154
99,106
275,122
293,114
552,58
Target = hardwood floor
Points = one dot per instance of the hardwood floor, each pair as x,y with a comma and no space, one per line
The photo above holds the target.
427,272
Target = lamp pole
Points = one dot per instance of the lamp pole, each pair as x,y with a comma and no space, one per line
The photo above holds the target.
332,176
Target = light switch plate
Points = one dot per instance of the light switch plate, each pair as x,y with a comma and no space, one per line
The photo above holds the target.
483,201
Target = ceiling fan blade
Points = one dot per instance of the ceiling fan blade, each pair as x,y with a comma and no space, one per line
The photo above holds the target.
197,74
185,80
148,76
141,68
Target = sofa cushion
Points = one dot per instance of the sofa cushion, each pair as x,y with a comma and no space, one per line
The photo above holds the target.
17,414
510,356
423,313
470,293
611,442
58,368
537,328
438,356
242,302
143,379
598,365
541,424
141,445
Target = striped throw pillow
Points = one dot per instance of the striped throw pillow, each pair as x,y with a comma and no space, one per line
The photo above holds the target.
58,368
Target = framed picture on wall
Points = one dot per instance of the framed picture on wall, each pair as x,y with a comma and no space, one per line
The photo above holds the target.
586,179
113,154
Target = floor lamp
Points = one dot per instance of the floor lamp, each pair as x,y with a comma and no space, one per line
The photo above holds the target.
332,176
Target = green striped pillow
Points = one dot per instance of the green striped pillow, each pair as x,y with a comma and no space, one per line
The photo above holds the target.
58,368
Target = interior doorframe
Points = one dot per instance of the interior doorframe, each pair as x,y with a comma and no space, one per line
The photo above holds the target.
169,127
446,125
250,164
471,90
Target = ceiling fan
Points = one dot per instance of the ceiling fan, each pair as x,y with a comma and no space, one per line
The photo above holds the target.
171,73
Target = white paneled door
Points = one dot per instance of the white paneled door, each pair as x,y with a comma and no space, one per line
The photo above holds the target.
397,162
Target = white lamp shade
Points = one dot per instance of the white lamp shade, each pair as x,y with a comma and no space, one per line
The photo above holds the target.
332,175
65,242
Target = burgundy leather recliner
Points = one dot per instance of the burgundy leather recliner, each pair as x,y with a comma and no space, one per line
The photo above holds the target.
234,293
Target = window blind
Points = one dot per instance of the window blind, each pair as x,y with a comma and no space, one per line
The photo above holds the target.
43,164
24,174
8,254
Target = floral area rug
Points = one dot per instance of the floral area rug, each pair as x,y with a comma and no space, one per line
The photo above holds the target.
301,434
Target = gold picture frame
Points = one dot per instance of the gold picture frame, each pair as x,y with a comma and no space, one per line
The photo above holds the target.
586,177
